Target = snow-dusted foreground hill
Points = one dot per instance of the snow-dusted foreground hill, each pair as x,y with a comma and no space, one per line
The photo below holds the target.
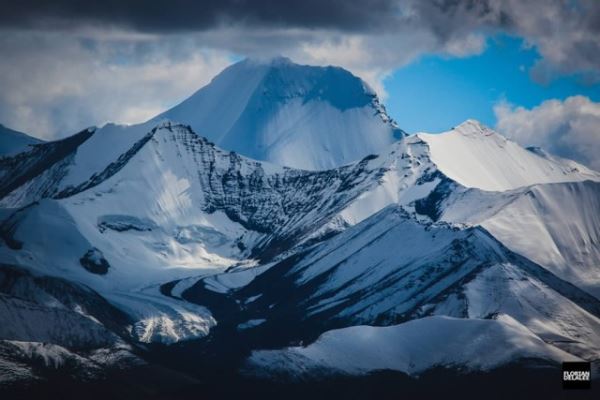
138,238
412,347
51,324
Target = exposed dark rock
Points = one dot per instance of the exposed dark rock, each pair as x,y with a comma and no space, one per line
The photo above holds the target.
95,262
17,170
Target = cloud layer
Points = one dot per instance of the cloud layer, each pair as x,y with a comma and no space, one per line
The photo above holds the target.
56,85
569,128
68,64
189,15
565,32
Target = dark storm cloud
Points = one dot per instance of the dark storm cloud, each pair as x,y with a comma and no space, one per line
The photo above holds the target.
564,31
185,15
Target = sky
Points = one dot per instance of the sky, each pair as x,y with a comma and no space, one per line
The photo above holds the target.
434,93
530,69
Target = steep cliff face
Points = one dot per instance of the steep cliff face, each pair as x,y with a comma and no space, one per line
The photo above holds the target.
48,159
171,177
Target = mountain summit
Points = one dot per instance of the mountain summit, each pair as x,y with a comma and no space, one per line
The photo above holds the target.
295,115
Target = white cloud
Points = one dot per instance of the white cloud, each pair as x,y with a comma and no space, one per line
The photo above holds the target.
569,128
77,74
59,82
55,85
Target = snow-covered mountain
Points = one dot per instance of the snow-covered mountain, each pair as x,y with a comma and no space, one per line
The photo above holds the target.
289,114
555,225
392,268
134,238
476,156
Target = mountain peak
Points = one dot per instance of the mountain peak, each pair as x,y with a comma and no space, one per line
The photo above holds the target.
476,156
277,61
302,116
472,127
284,80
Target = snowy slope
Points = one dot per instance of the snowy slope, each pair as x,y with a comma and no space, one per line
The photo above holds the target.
45,162
51,323
295,115
36,308
102,148
570,164
67,164
393,267
412,347
13,142
173,206
46,239
475,156
556,225
384,267
504,289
